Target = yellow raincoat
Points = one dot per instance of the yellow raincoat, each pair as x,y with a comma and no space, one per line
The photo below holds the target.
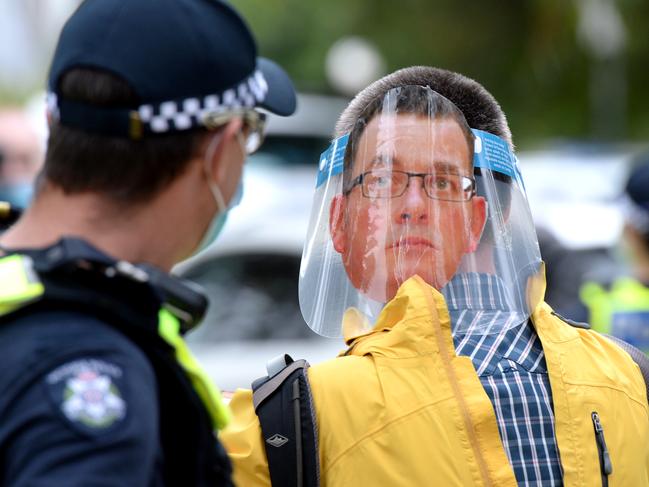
400,408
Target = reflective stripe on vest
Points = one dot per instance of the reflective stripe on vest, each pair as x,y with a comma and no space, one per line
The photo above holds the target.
169,329
20,286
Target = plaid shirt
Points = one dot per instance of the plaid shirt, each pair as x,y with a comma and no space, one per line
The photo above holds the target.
511,365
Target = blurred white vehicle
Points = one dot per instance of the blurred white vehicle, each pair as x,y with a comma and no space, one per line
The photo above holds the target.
574,192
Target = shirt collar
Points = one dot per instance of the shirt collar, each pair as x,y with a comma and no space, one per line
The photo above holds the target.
486,325
477,291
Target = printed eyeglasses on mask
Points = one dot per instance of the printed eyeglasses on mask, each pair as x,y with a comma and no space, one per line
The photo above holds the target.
384,183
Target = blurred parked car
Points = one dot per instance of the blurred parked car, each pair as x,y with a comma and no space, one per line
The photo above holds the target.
251,272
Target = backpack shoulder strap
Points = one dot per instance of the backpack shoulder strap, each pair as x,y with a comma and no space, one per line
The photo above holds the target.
284,405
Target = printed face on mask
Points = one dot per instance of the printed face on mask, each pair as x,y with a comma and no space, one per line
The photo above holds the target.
409,206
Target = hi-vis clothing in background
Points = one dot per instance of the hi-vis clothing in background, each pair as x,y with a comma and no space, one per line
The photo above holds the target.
621,310
620,306
400,408
96,383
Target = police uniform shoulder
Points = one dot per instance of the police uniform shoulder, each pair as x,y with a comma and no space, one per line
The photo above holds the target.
74,329
92,375
35,341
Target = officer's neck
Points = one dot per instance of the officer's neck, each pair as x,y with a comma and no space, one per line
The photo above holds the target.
156,232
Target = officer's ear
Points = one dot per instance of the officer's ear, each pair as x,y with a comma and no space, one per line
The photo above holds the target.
223,153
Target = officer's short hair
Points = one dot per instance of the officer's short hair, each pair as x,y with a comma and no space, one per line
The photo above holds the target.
480,108
124,170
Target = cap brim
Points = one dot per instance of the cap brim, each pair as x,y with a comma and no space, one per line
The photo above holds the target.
280,98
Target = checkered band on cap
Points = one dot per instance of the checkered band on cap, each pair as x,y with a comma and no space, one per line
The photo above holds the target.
179,115
191,112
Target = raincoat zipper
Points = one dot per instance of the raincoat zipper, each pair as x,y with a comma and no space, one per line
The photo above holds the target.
606,467
466,416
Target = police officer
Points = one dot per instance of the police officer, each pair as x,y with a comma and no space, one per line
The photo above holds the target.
152,111
620,306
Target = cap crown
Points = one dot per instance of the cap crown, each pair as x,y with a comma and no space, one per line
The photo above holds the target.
165,49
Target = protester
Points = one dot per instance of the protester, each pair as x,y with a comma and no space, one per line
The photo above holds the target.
152,111
422,254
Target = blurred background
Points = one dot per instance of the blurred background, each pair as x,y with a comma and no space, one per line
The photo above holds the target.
571,75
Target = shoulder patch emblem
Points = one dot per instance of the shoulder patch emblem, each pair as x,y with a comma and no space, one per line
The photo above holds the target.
88,394
93,400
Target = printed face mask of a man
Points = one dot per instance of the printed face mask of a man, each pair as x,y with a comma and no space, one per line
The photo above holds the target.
408,205
403,191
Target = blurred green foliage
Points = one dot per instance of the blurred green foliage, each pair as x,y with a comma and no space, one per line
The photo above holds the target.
524,51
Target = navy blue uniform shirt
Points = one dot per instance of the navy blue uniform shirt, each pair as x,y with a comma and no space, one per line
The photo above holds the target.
90,393
78,405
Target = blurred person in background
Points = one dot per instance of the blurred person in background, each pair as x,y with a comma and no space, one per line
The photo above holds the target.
566,269
152,113
619,304
21,157
422,254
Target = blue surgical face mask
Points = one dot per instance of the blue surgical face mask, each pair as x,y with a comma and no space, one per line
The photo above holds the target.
216,225
18,195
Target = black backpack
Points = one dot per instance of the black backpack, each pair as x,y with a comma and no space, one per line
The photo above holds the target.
284,405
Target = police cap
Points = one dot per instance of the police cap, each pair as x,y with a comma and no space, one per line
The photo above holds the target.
185,59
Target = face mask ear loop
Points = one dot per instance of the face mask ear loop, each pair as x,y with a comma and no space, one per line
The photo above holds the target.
242,143
207,160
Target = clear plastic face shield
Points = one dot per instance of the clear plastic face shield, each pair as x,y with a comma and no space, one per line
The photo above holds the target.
412,190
